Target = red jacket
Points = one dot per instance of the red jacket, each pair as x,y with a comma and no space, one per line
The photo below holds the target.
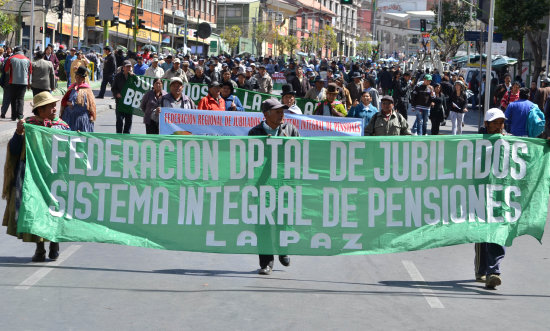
209,103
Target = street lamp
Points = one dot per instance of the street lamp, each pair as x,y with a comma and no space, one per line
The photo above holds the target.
161,5
173,34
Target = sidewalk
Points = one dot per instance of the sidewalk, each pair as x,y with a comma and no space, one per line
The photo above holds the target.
62,88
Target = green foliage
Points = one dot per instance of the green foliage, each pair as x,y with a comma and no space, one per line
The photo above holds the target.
261,33
364,47
449,38
518,19
307,44
231,36
291,42
7,24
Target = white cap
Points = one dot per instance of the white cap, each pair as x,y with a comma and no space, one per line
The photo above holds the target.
493,114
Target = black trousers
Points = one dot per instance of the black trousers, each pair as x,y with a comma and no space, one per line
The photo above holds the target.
152,128
401,108
35,91
17,99
266,260
123,122
106,79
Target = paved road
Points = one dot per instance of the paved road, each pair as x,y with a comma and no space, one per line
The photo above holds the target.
110,287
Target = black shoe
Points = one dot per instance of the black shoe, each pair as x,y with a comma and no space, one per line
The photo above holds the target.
98,97
39,253
3,116
285,260
54,251
265,271
14,119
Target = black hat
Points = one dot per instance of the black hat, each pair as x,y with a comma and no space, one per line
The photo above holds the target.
261,66
332,88
287,89
81,71
108,48
387,98
356,74
270,104
319,79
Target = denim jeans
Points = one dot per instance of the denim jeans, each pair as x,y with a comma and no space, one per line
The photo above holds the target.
420,126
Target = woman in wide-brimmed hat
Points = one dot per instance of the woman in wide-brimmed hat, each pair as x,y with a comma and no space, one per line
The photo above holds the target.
14,171
78,107
330,106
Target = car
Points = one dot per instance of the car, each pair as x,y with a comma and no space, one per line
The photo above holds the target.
469,72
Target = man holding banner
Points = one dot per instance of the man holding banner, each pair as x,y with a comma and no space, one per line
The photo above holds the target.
175,99
123,119
387,122
274,113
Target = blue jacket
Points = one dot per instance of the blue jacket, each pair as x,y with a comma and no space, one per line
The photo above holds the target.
233,98
362,111
68,61
140,70
516,117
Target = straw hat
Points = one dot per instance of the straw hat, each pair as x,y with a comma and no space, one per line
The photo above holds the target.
43,98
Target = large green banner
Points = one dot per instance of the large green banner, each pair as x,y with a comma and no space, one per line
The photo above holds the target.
307,196
137,86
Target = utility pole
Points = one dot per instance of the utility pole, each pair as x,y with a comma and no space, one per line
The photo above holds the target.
489,65
31,35
161,14
136,21
185,28
173,34
71,41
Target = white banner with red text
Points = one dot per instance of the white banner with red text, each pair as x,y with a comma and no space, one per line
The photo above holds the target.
228,123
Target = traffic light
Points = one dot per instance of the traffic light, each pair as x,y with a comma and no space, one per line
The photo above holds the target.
114,22
141,24
422,25
68,3
195,34
97,21
129,23
346,2
41,29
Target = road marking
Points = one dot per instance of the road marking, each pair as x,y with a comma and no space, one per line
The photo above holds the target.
42,272
428,294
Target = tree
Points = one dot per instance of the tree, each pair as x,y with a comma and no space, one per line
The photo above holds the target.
364,47
261,33
308,44
281,44
330,39
7,23
231,36
517,19
450,36
291,42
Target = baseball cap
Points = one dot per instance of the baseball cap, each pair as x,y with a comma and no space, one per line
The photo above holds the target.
493,114
176,80
427,77
387,98
270,104
126,63
177,60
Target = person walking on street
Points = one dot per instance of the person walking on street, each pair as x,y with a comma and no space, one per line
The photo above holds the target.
109,70
175,71
387,122
300,83
330,106
200,77
49,55
174,99
123,120
273,125
140,67
265,83
44,115
457,105
213,100
288,98
78,108
489,255
19,68
517,114
80,61
421,101
150,102
43,76
438,109
364,110
154,70
68,63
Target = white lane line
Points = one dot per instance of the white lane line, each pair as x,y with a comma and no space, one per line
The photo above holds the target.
42,272
428,294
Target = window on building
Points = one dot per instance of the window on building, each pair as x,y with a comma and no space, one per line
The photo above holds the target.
207,8
304,22
234,12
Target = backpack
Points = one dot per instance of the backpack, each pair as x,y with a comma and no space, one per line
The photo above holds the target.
535,122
